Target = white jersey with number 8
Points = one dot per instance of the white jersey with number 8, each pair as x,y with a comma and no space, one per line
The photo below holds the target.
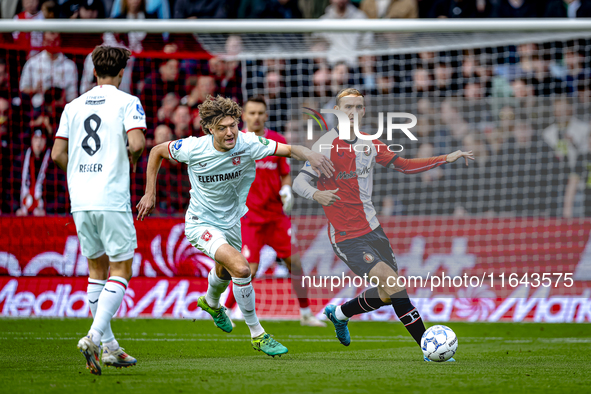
96,126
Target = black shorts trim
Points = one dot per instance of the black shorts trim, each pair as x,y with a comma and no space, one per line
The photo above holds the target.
361,254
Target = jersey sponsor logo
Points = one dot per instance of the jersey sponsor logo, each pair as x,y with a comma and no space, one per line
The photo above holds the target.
138,117
95,102
353,174
263,141
368,258
238,153
236,160
140,110
219,177
177,145
266,165
206,236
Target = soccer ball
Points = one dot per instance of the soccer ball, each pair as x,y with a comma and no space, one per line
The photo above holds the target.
439,343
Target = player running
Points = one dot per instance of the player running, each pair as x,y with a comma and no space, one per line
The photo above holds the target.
92,147
269,201
354,231
222,167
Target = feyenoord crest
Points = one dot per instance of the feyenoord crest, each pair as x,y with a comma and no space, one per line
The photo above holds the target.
206,236
236,160
368,257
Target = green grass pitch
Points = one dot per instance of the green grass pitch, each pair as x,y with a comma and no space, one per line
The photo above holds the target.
183,356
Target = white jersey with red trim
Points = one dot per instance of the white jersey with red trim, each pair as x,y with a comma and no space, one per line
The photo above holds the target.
220,181
96,126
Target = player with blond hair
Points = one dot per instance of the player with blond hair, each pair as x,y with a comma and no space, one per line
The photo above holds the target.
354,230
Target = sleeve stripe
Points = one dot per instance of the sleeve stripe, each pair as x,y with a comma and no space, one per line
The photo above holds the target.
392,161
429,166
169,152
276,146
309,174
137,128
61,138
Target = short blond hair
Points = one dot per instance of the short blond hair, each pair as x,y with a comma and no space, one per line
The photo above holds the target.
213,110
348,92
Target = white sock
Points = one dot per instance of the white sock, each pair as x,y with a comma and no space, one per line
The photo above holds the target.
109,301
93,291
305,311
112,345
215,288
245,298
339,314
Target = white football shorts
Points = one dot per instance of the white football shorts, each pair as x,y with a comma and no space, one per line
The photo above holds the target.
208,238
110,232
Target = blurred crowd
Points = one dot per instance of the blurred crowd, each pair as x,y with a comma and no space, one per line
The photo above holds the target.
290,9
524,109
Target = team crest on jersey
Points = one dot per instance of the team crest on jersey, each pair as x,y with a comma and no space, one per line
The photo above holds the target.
263,141
206,236
368,257
236,160
177,145
368,151
139,109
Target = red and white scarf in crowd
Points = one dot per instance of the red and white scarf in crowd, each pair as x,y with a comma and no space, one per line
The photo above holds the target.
32,184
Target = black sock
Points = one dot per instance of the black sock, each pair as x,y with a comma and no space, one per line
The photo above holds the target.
367,301
408,315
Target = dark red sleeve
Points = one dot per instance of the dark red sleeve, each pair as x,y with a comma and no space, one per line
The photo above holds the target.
413,166
383,155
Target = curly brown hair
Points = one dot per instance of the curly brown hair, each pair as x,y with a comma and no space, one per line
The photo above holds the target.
213,110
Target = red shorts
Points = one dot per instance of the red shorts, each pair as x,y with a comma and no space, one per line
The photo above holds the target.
276,234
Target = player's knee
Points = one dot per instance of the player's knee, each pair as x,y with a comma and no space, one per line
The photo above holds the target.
242,271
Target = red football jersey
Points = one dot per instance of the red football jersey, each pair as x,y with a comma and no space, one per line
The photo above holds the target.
354,214
263,201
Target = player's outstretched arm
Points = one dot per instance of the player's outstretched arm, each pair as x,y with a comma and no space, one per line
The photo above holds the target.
148,201
414,166
458,155
318,161
59,153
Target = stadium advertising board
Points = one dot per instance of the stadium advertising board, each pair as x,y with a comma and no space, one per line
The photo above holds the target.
45,275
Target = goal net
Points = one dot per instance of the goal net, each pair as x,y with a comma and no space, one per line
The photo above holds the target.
520,100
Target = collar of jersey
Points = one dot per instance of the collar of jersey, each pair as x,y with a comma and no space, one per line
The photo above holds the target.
348,142
105,86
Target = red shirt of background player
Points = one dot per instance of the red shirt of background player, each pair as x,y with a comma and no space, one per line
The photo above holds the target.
263,201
